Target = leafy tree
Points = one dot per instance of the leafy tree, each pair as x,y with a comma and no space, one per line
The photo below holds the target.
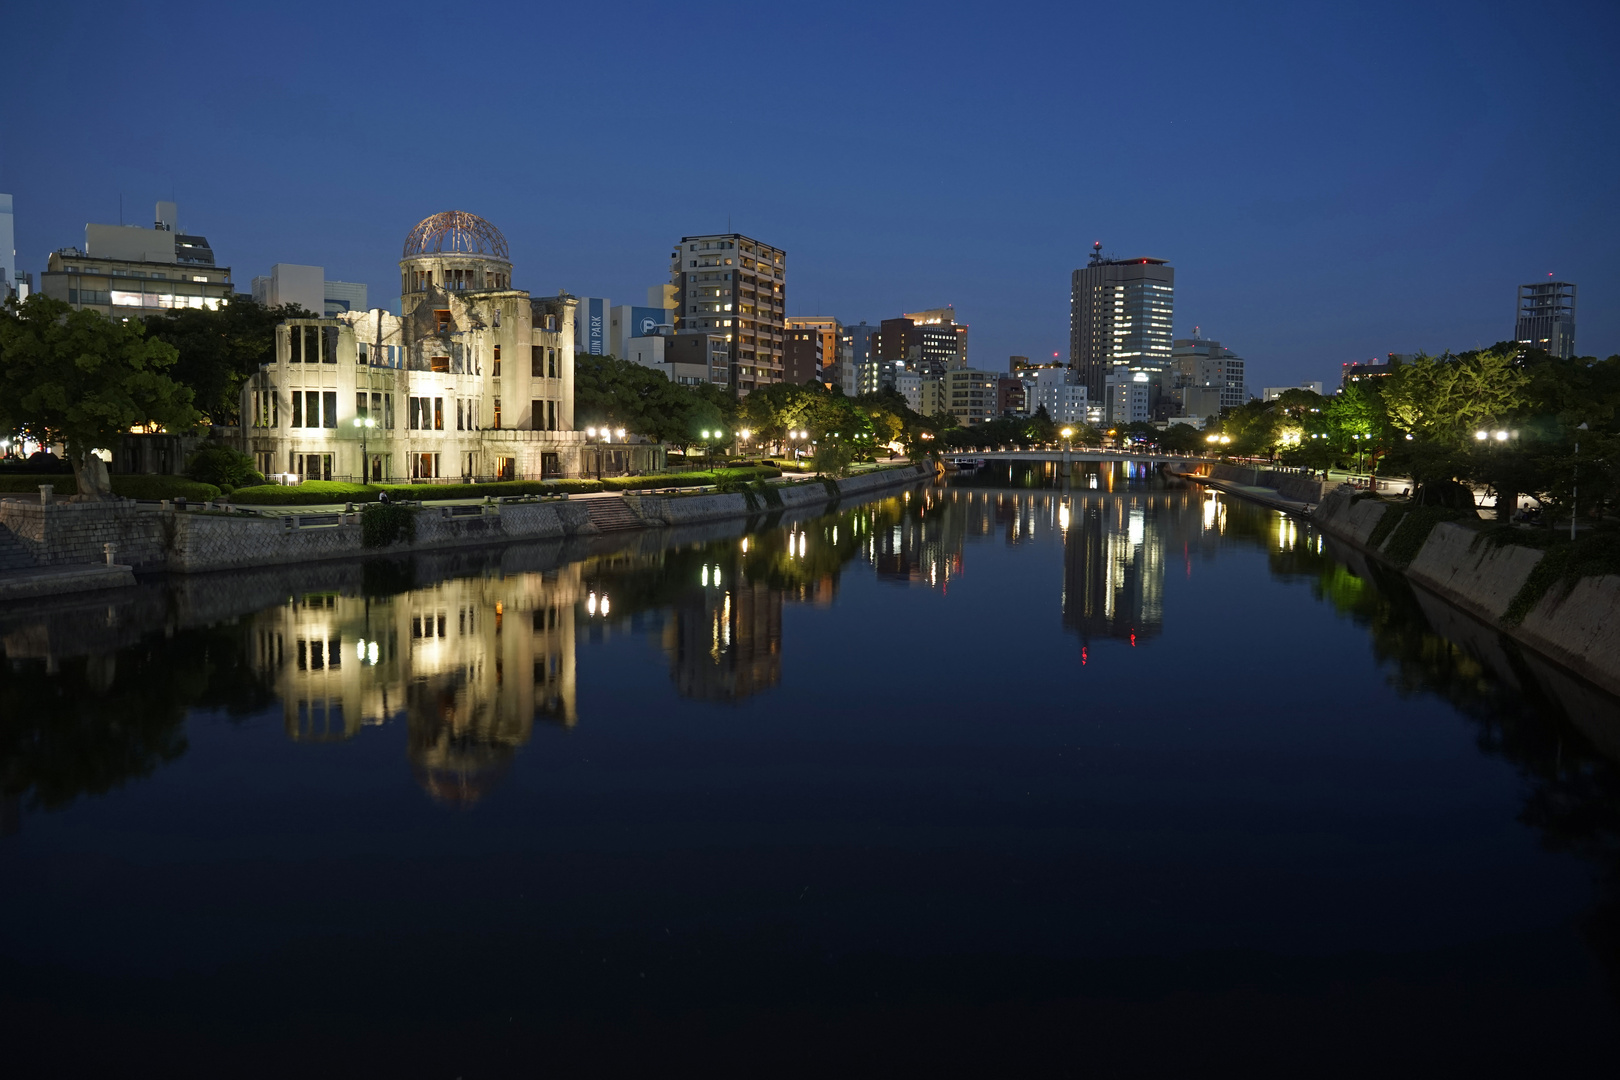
220,349
1446,399
82,379
609,392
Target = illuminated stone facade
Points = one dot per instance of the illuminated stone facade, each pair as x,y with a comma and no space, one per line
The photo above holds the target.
473,381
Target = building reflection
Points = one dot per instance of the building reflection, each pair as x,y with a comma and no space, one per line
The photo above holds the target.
468,665
1113,566
724,640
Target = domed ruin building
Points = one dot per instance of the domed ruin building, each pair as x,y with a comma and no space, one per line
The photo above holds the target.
473,380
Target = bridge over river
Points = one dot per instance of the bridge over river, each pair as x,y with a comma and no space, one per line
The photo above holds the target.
1177,462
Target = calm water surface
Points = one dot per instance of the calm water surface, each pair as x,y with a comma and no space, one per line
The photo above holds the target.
1006,777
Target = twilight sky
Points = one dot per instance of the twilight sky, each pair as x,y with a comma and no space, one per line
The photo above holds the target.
1330,181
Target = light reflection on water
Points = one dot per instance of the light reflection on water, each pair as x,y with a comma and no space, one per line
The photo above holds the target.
476,664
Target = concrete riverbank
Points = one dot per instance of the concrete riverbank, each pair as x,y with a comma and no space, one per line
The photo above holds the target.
1576,624
56,544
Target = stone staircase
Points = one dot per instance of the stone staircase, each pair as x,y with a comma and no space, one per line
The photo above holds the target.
13,556
611,515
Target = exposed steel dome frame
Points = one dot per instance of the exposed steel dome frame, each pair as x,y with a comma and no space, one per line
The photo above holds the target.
456,232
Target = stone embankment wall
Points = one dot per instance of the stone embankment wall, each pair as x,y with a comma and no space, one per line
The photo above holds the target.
687,509
65,534
151,539
1289,485
209,542
1578,627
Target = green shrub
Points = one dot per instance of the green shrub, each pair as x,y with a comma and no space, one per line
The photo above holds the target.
309,493
130,487
28,483
163,487
697,478
381,524
223,466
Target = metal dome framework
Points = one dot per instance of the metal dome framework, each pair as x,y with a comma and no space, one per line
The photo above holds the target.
456,232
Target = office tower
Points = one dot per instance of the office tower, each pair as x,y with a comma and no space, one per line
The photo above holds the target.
926,342
735,285
944,317
1547,318
124,268
1119,314
1207,378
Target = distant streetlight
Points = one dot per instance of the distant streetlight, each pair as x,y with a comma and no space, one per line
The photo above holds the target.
365,424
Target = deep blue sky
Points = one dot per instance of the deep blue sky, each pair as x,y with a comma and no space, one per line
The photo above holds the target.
1331,182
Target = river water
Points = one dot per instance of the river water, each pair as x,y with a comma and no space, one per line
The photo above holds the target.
1096,775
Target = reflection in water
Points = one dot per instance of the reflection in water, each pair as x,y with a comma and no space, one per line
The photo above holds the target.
467,665
94,695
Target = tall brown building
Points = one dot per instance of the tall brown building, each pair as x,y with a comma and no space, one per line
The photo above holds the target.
833,348
731,284
804,356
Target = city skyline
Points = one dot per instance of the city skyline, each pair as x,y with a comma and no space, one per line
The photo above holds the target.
1350,204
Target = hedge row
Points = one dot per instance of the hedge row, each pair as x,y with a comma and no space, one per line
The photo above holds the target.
313,492
130,487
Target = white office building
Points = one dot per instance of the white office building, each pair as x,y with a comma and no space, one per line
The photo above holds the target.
1060,391
306,286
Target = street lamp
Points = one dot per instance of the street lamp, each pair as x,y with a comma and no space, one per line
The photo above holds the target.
365,424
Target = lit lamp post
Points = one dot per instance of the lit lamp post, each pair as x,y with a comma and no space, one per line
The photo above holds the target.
1501,437
743,435
365,424
1068,435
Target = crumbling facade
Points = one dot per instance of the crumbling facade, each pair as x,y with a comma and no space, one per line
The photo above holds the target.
474,380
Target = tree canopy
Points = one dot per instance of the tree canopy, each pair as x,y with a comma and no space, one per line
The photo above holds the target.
82,379
220,349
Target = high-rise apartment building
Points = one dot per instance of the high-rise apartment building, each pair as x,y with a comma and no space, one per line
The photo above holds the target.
735,285
1119,314
1546,318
